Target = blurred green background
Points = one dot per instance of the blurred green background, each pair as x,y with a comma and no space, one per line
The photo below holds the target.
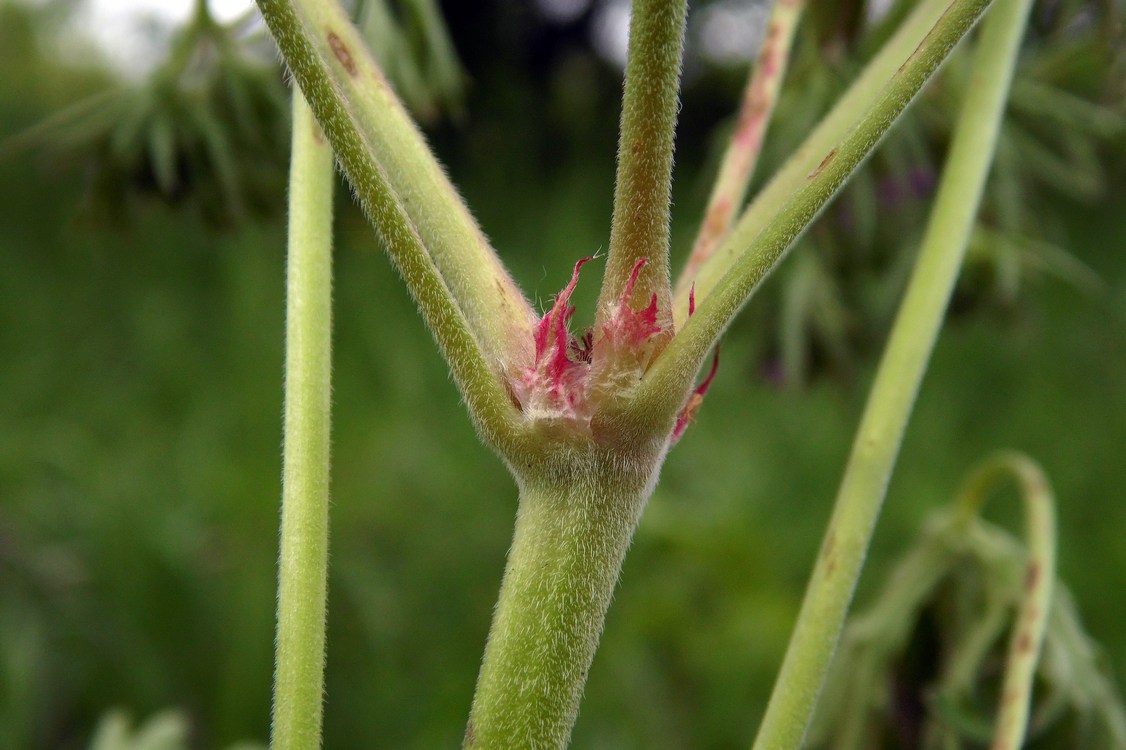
141,385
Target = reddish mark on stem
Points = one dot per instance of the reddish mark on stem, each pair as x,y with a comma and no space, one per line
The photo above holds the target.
1032,578
769,61
342,54
824,163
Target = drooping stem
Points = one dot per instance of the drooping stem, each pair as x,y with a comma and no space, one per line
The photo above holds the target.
643,187
303,558
1032,617
897,382
572,532
741,156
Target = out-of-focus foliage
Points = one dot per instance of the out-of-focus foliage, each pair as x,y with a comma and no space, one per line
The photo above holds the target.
140,367
207,126
167,730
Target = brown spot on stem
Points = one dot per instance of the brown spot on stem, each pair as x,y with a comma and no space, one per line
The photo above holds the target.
828,550
342,54
470,736
824,163
925,40
1024,643
1032,579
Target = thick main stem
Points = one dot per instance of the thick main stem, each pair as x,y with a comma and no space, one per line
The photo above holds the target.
303,559
901,370
572,531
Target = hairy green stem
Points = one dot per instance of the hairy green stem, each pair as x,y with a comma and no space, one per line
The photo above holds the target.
668,381
303,558
829,132
1035,607
477,315
644,181
897,382
573,527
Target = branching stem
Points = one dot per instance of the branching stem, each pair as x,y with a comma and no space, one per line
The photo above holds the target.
666,384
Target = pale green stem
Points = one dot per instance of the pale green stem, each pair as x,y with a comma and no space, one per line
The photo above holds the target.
573,527
668,381
476,322
897,382
769,202
745,146
644,181
303,558
1032,617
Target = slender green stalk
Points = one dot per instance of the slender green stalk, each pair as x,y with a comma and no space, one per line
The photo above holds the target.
573,527
897,382
479,326
644,181
303,563
670,378
739,160
1035,607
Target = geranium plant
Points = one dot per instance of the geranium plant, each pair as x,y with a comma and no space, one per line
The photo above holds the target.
585,418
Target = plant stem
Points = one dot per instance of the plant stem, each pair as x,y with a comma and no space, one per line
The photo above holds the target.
741,156
897,382
1035,607
829,132
644,180
572,531
478,316
303,559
